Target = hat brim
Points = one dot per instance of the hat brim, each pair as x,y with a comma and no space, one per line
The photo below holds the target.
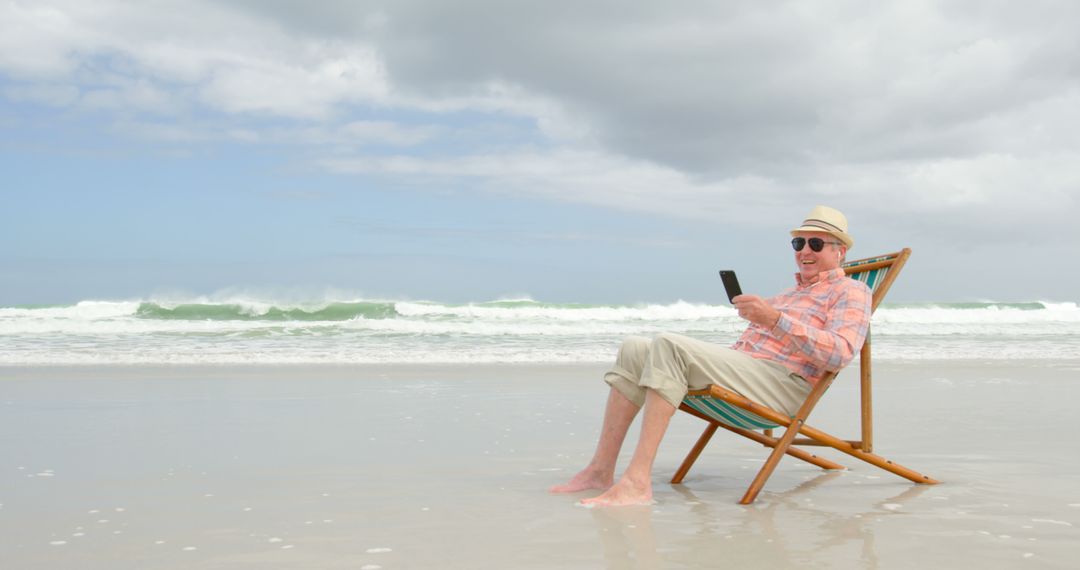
846,238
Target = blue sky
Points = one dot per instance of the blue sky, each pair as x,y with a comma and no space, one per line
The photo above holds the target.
598,152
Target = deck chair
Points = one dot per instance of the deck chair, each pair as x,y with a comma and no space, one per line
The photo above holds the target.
723,408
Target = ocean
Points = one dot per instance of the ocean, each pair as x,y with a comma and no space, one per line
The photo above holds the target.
244,330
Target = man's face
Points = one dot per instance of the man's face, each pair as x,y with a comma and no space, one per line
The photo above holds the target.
812,262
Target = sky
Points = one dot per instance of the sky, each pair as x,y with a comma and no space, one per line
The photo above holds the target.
594,152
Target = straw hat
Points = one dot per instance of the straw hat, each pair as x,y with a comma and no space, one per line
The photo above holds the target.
828,220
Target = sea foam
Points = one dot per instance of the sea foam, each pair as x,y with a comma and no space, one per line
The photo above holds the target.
241,329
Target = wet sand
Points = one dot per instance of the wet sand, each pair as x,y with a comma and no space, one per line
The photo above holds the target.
448,466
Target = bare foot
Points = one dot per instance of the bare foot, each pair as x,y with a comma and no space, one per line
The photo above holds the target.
625,492
584,481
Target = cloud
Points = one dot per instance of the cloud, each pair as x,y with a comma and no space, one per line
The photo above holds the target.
35,40
226,60
959,114
593,178
293,89
503,235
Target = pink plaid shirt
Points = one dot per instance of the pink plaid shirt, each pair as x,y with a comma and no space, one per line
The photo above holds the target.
822,325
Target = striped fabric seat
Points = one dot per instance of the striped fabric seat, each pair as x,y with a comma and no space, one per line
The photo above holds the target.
873,277
726,413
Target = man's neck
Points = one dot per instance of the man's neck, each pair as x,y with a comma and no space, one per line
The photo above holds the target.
820,276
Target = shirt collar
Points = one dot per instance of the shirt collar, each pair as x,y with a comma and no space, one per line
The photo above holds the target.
829,275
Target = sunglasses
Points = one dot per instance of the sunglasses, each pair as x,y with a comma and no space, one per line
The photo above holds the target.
816,244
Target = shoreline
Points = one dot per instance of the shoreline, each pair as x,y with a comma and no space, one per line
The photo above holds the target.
452,366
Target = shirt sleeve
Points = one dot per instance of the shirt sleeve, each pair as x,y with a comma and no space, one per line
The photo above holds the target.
846,324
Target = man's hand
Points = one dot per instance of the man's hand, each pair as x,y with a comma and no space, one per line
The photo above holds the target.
756,310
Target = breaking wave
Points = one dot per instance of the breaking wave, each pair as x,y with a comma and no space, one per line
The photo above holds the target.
249,329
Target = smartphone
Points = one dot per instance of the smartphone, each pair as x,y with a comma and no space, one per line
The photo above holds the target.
731,284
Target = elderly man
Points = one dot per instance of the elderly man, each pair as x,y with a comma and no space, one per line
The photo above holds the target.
793,339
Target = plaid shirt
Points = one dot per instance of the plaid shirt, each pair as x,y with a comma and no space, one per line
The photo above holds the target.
822,325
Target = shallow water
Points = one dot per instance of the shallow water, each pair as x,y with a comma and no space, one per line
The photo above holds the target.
447,466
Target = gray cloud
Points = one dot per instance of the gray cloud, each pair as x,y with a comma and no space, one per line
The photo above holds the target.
926,108
738,82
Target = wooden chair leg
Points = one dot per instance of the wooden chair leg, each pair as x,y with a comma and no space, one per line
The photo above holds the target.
866,399
793,451
871,458
784,442
798,425
694,453
782,447
706,436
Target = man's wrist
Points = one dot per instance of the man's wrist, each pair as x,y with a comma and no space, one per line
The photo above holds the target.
776,323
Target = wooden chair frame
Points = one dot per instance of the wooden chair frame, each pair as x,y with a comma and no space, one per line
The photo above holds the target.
860,449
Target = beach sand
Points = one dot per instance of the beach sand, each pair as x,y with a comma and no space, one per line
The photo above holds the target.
448,466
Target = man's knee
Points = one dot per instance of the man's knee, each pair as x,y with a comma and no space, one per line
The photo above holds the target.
666,342
633,352
635,344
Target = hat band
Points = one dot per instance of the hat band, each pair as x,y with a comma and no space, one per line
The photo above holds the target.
823,225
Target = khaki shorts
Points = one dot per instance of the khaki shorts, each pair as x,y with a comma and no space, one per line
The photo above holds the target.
672,364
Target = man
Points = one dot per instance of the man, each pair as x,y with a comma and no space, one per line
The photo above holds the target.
793,339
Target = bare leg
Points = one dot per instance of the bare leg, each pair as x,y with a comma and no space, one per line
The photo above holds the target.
635,485
600,472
